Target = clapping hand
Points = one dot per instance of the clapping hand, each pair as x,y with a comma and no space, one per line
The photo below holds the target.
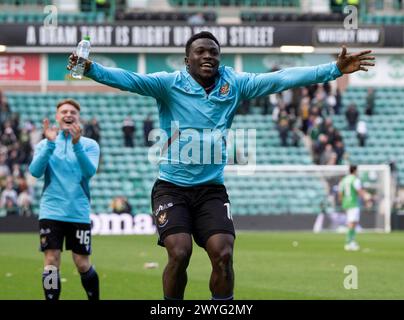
50,133
75,131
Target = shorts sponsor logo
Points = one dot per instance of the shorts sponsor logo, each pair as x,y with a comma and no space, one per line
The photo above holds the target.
115,224
163,207
44,231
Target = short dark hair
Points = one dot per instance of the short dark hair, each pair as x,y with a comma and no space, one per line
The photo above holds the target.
353,168
200,35
74,103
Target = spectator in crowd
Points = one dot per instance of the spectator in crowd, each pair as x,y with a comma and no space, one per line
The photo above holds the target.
314,127
328,156
5,111
339,149
17,172
319,100
121,205
147,128
330,102
283,127
10,207
304,110
196,19
244,107
370,102
25,148
296,137
128,129
4,170
264,103
8,137
361,131
35,135
338,101
12,157
352,116
24,201
9,193
15,123
92,130
319,147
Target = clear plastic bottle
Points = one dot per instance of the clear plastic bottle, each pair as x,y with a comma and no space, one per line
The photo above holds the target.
82,51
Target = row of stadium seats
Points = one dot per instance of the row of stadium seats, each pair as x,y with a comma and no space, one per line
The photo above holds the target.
385,128
38,17
238,3
384,19
290,17
26,2
162,16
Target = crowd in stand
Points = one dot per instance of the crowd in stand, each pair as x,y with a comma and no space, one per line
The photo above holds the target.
16,145
303,115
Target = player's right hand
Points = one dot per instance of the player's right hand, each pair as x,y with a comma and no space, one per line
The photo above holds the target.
73,61
50,133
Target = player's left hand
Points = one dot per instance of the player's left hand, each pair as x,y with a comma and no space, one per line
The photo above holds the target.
75,132
349,63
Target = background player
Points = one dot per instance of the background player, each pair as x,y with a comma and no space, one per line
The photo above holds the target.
190,199
67,161
350,192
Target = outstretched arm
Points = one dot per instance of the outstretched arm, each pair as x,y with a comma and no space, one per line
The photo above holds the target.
253,85
144,84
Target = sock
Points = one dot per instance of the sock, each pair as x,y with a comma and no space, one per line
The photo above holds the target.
351,235
90,282
51,284
222,298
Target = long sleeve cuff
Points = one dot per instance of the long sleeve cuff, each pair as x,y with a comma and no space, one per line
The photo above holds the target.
50,145
78,147
92,71
336,72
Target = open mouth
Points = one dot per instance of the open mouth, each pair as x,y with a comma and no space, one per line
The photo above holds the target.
207,66
68,121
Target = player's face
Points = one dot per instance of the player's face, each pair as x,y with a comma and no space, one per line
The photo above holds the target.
66,115
204,59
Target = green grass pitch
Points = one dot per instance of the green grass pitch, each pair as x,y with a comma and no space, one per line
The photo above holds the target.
268,265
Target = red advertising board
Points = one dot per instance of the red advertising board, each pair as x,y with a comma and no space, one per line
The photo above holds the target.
19,67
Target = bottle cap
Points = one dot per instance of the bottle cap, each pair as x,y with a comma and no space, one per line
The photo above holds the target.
86,38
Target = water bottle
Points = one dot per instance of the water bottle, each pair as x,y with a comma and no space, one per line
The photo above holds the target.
82,51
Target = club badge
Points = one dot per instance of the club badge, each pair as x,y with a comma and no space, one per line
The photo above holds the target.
162,219
224,89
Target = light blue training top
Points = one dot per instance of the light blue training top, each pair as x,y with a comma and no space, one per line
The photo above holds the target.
183,100
67,169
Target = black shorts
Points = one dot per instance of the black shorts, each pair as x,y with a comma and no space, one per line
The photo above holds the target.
201,211
53,232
